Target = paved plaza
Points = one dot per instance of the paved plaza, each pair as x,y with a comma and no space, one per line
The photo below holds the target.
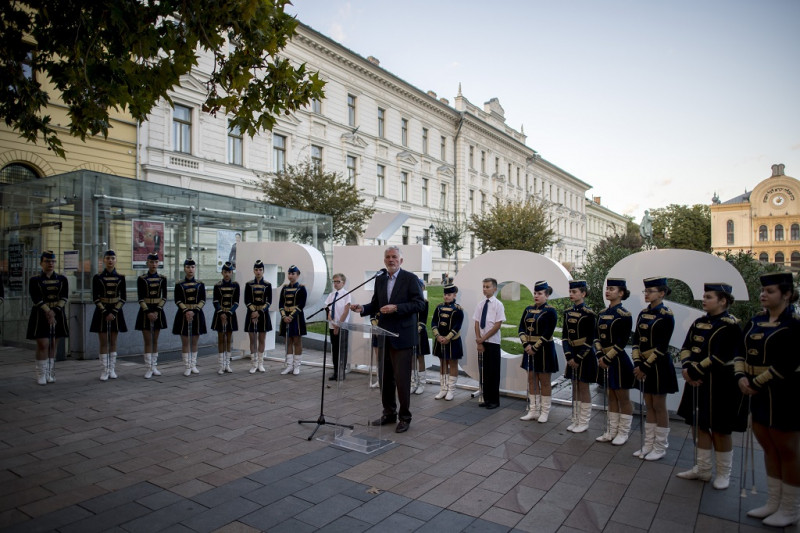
226,453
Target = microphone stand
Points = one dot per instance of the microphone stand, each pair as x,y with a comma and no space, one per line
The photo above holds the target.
320,421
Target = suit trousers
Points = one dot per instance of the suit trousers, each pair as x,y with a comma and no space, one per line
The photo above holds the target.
491,373
395,374
339,342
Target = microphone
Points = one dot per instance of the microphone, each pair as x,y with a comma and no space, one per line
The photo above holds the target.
381,272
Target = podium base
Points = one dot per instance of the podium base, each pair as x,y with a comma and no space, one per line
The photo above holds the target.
358,443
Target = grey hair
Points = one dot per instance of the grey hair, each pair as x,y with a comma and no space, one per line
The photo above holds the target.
394,247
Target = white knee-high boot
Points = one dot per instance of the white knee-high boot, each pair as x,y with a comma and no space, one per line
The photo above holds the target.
611,430
623,430
649,437
154,363
724,464
789,509
545,412
774,486
442,386
702,470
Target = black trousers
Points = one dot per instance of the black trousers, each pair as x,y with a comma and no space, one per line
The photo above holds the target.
491,373
339,341
395,374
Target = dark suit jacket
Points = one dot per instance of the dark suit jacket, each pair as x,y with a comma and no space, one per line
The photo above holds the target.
407,296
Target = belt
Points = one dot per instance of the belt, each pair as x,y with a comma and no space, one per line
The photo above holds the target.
109,300
153,300
289,309
755,370
534,338
192,306
578,342
259,307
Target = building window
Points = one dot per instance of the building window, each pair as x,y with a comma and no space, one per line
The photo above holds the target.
472,247
404,131
182,129
426,236
762,233
381,180
483,202
795,259
404,186
795,232
763,257
351,110
235,145
471,201
483,161
279,153
444,148
316,106
425,192
779,259
351,170
381,122
316,156
472,158
405,234
779,232
509,174
730,232
443,197
519,183
424,140
497,166
27,65
16,173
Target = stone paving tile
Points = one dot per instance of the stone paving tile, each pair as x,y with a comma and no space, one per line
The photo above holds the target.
542,478
60,501
589,516
397,522
379,508
236,527
274,473
523,463
501,480
520,499
605,492
107,519
191,488
220,514
292,526
120,497
229,474
447,521
319,492
543,518
328,510
475,502
616,527
451,489
365,470
418,485
634,512
23,497
229,491
51,521
711,524
159,500
650,490
278,490
724,504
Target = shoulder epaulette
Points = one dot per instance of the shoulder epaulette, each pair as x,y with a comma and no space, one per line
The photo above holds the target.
666,311
730,319
623,313
458,306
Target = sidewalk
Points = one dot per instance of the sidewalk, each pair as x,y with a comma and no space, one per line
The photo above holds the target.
225,453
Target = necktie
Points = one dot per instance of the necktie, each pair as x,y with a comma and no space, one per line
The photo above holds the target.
483,313
333,308
390,286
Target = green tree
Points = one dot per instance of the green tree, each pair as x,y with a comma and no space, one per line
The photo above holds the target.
682,226
449,234
308,187
751,270
514,225
128,54
599,262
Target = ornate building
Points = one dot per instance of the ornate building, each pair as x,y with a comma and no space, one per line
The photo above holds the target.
408,149
602,223
765,221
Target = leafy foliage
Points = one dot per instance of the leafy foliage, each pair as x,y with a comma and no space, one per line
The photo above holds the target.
751,270
681,226
449,233
128,54
599,262
514,225
308,187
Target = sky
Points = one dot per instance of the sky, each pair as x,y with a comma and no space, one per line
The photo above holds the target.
650,102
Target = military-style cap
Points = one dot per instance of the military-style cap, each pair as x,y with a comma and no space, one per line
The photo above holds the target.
152,257
227,267
293,269
718,286
578,284
111,253
616,282
450,289
776,278
47,254
189,262
541,286
658,281
258,264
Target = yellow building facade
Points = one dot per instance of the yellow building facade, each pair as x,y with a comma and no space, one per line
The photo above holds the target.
764,221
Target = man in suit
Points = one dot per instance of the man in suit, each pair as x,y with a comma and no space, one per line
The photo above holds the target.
396,301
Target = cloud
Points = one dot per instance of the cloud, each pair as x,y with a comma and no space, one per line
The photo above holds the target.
337,32
796,146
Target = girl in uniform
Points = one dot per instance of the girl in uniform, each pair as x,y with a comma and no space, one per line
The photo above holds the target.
767,373
150,320
293,321
614,326
579,333
536,329
109,295
190,321
224,322
258,299
711,398
653,366
446,326
48,321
